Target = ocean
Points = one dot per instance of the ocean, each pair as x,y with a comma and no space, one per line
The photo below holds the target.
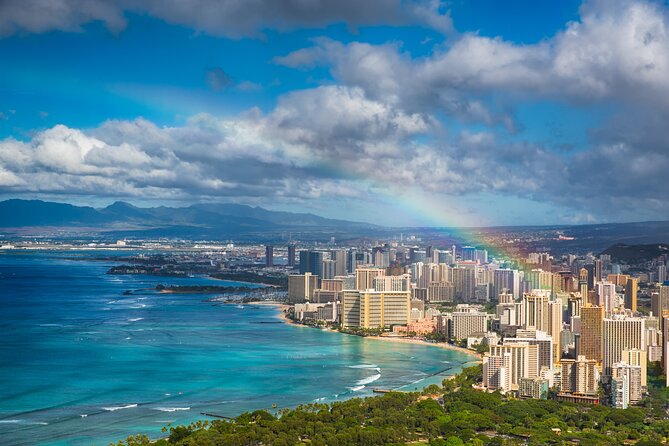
82,363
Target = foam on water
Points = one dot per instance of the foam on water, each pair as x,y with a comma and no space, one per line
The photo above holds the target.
115,408
171,409
187,354
25,422
368,380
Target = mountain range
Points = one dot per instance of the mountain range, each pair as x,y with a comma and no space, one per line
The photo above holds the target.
220,221
198,219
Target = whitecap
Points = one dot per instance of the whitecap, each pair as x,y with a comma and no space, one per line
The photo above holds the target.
135,319
171,409
364,366
115,408
357,388
37,423
368,380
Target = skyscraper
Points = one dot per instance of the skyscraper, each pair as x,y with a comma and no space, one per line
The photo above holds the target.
506,279
630,293
301,287
291,255
311,262
375,309
339,257
620,333
590,341
364,277
269,256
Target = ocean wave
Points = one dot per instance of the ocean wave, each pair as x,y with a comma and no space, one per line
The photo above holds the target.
356,388
135,319
32,423
171,409
368,380
115,408
364,366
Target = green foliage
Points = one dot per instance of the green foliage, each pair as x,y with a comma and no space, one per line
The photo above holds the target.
458,416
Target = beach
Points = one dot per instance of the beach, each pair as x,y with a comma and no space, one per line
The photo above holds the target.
444,345
282,307
88,363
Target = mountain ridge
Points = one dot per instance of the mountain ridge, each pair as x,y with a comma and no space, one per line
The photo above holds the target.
16,213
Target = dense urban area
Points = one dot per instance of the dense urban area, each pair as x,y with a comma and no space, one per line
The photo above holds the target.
584,333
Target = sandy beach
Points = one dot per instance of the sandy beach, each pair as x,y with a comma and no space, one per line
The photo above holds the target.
281,306
282,315
422,342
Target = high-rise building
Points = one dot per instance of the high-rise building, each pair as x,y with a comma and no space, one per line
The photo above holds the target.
590,340
659,302
464,279
392,283
555,327
339,257
583,283
630,293
543,341
539,279
269,256
466,323
524,361
626,387
536,388
328,270
291,255
497,372
375,309
637,358
506,279
440,292
620,333
598,270
468,253
311,262
535,312
606,296
665,345
579,376
364,277
301,287
662,273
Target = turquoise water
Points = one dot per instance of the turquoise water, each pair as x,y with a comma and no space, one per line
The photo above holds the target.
82,364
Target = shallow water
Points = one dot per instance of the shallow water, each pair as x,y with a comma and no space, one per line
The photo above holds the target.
82,364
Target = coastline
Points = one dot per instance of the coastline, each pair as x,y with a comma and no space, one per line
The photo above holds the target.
443,345
266,285
281,314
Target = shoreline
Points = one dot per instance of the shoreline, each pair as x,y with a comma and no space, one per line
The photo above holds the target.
265,285
282,307
444,345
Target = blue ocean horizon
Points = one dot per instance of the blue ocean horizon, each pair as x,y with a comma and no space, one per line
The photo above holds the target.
84,363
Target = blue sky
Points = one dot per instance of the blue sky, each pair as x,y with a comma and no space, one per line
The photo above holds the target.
492,113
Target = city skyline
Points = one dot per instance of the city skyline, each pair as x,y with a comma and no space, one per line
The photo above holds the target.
423,113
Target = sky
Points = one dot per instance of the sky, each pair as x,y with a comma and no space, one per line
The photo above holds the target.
430,113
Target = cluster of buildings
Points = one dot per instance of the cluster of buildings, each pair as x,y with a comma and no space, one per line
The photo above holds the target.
572,326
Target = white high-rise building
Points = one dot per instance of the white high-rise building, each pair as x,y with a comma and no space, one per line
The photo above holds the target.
620,333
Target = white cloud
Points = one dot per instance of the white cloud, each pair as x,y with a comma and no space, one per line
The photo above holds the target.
229,18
